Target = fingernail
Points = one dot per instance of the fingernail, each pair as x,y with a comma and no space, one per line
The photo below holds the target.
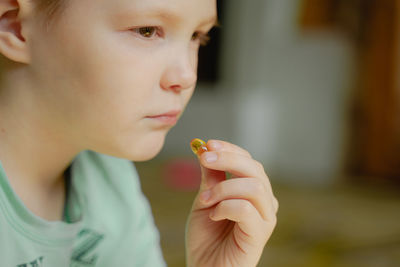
215,145
206,195
210,157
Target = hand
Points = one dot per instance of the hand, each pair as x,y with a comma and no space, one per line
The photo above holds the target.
231,219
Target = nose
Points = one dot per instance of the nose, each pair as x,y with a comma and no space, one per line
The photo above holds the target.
180,73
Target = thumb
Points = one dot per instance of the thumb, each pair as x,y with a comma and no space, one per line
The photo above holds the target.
210,177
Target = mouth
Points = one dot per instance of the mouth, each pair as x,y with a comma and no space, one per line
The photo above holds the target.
168,118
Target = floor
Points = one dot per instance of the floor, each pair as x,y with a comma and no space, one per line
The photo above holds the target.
345,225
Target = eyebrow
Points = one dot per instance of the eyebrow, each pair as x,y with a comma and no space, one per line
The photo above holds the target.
167,15
213,20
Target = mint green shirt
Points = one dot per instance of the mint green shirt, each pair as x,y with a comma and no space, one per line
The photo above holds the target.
108,221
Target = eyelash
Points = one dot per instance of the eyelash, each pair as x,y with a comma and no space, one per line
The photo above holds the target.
149,32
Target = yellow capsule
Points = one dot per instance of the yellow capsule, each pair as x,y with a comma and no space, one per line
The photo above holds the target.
198,146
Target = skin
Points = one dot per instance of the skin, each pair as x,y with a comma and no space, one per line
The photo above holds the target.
231,220
89,80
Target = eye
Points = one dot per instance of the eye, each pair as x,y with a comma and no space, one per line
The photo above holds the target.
202,38
146,32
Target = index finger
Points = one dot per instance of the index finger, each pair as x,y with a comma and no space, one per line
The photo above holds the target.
218,145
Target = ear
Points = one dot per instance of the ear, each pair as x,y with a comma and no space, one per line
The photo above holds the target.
13,44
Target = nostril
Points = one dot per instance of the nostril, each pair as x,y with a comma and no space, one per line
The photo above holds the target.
176,88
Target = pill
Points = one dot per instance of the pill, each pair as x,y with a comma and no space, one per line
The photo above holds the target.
198,146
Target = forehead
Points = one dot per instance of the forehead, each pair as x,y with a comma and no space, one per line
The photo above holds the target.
176,10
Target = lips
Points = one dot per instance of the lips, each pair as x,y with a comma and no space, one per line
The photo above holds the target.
168,118
172,113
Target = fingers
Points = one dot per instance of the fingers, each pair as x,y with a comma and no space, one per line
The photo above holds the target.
214,164
275,203
250,189
242,212
251,182
217,145
235,163
214,176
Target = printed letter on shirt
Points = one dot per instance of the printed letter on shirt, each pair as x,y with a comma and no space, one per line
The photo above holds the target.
84,253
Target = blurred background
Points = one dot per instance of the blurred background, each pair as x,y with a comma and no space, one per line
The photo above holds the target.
311,88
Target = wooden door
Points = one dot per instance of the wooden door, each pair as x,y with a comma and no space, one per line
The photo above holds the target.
373,25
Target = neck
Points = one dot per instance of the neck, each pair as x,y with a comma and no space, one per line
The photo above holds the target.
33,151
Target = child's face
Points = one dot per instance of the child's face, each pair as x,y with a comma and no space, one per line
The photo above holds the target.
101,72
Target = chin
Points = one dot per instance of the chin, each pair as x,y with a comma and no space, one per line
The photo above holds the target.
136,148
144,149
148,155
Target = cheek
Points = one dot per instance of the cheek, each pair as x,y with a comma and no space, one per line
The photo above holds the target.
116,80
120,87
104,89
195,58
